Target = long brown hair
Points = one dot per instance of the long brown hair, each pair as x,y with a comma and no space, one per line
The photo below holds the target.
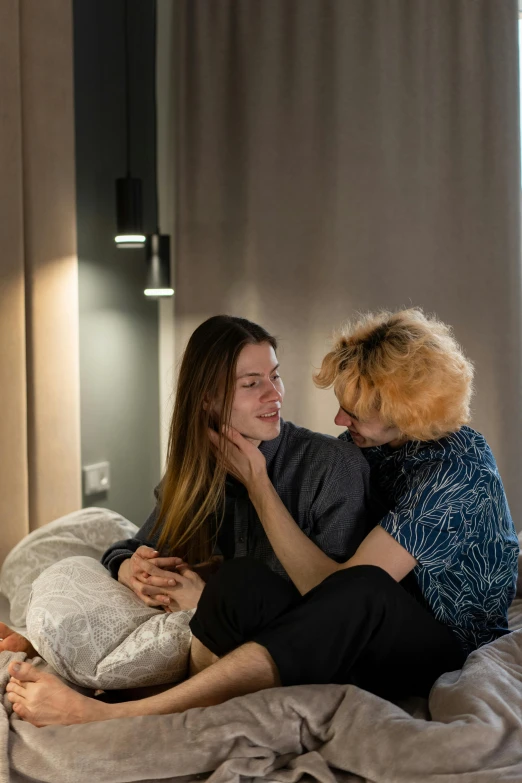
193,487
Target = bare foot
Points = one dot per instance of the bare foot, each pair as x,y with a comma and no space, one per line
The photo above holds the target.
15,642
43,700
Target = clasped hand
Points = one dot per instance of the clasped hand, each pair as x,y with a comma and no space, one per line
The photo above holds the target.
169,582
166,582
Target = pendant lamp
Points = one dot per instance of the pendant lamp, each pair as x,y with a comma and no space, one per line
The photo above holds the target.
129,230
158,266
157,246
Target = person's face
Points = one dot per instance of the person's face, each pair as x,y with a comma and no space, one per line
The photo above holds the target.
258,395
370,432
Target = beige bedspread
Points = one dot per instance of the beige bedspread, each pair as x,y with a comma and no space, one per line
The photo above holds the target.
322,733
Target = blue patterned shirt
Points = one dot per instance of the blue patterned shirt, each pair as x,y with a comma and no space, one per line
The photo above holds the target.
446,506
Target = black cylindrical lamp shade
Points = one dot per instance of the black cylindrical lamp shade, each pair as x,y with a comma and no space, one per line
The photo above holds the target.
128,213
158,266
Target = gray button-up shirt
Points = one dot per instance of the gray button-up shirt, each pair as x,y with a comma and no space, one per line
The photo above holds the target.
322,481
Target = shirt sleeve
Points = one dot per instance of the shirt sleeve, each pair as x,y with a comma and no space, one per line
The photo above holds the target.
340,510
121,550
429,516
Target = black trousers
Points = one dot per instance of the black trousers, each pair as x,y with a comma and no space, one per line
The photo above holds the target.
358,626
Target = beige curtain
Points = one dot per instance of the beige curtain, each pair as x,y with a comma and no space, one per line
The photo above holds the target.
334,156
39,380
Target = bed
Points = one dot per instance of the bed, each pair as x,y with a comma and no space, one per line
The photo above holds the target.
471,730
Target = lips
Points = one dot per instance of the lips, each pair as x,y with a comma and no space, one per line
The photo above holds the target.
269,416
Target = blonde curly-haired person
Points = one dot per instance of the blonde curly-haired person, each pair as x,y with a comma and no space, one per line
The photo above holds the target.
429,584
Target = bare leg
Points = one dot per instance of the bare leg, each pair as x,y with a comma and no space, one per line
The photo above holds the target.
15,642
200,657
43,700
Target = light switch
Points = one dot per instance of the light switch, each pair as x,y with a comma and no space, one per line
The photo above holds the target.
96,478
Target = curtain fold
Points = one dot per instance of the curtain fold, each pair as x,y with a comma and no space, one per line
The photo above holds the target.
40,474
336,156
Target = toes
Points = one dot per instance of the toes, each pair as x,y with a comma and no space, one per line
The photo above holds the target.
12,687
13,668
15,698
20,710
24,672
18,690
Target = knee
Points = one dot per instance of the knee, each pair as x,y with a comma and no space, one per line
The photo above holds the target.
235,580
365,581
244,585
238,573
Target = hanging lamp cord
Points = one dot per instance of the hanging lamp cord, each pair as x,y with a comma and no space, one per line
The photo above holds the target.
155,99
127,87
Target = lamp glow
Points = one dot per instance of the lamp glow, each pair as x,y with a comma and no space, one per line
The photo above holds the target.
158,292
130,240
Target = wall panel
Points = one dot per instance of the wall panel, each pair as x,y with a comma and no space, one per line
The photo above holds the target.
14,517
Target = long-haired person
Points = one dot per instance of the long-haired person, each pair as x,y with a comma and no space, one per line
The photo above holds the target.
229,375
404,388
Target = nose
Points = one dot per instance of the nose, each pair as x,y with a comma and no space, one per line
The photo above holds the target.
342,419
271,393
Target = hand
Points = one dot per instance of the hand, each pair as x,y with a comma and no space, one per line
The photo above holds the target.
139,570
186,592
242,458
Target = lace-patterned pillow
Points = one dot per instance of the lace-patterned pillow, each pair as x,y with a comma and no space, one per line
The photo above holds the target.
97,633
89,532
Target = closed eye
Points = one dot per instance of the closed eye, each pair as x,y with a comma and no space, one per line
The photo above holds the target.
273,378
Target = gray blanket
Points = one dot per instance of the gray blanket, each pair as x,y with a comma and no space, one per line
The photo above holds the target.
322,733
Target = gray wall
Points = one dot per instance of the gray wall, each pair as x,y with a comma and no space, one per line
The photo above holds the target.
118,325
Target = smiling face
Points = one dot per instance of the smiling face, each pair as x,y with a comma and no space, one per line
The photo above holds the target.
370,432
258,395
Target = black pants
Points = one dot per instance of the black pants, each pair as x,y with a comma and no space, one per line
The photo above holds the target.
358,626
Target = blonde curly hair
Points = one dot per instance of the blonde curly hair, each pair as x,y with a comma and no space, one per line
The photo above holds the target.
406,366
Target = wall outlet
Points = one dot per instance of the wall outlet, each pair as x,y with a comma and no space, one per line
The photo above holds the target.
96,478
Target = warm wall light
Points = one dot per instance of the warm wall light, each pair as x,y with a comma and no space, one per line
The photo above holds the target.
158,266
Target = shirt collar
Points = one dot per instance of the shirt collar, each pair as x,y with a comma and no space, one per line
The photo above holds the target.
269,448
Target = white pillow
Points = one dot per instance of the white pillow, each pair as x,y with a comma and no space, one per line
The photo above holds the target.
89,532
97,633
